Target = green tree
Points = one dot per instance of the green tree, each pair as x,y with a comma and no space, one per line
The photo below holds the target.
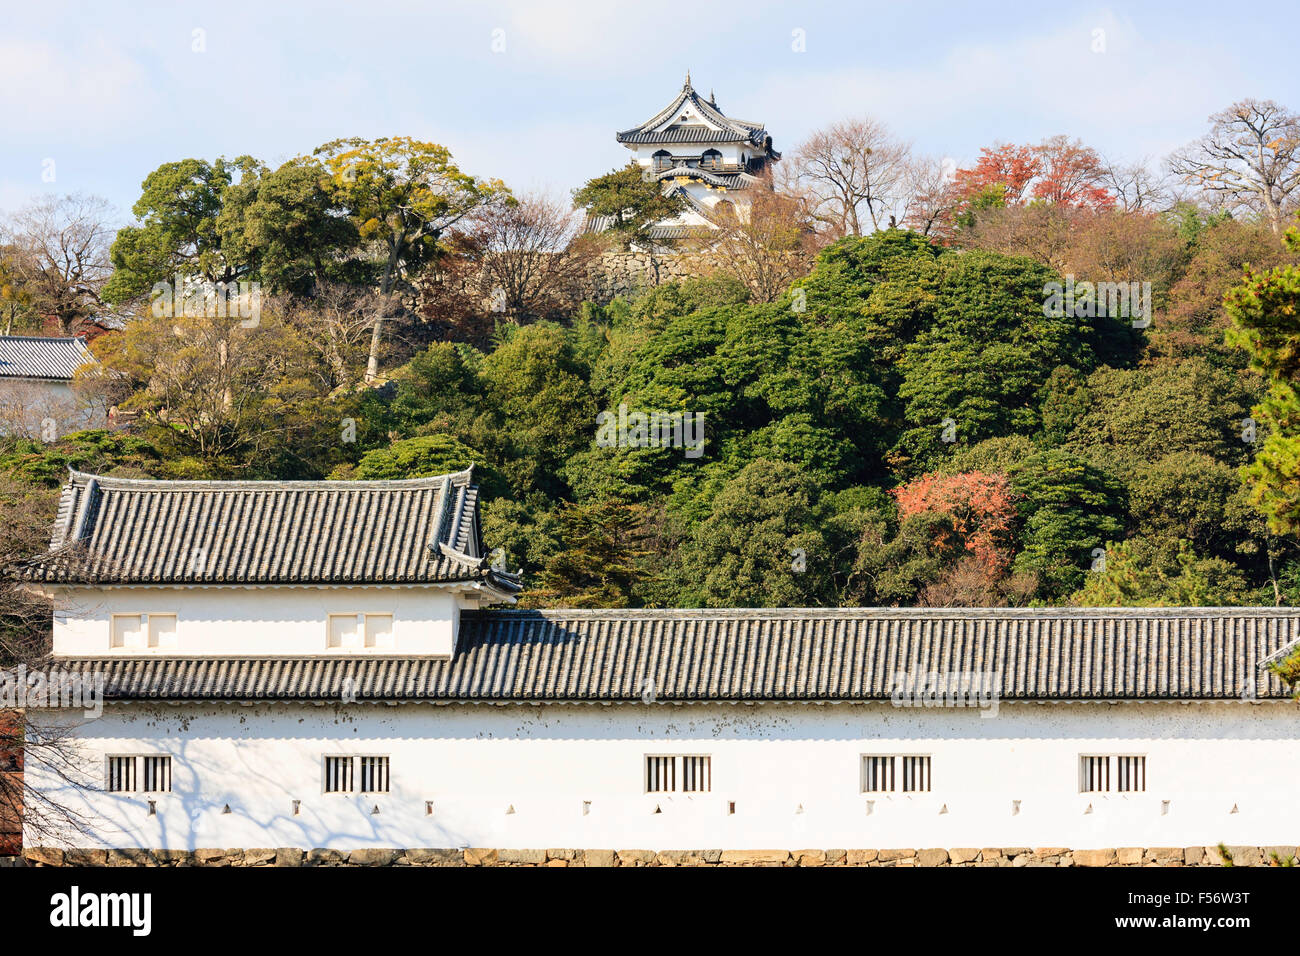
1128,579
632,203
1265,312
539,409
1137,416
402,195
178,212
601,560
977,369
289,223
759,547
96,451
1069,508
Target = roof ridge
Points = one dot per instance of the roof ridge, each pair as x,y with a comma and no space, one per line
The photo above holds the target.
785,613
46,338
458,478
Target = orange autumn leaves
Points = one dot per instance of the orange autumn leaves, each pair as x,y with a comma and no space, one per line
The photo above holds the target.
979,511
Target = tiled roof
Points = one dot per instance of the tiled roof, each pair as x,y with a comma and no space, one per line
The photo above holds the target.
768,655
724,129
128,531
26,356
683,134
726,180
597,224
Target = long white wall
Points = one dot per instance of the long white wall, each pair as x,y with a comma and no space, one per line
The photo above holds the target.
793,772
271,621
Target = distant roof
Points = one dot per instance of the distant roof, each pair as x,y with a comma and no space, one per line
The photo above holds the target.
29,356
715,128
833,655
130,531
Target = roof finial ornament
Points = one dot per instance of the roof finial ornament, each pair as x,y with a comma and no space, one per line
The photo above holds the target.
687,84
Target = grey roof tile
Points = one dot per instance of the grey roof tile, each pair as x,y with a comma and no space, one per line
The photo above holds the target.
728,129
767,655
25,356
129,531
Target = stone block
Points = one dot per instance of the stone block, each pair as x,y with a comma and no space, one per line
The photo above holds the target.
884,856
1129,855
431,857
531,857
373,856
43,856
1094,857
755,856
634,857
1245,855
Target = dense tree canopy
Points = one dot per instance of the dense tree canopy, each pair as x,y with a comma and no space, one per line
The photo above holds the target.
910,417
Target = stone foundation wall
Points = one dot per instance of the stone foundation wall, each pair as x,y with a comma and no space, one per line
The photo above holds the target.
630,273
994,856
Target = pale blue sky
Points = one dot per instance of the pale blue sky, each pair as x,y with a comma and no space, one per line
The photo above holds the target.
109,91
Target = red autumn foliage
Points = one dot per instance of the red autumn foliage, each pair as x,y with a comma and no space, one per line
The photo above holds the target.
1006,166
1070,174
1058,170
979,508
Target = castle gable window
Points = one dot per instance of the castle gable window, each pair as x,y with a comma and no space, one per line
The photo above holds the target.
357,631
139,632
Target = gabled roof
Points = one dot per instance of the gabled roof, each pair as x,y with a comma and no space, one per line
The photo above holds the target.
716,127
725,180
130,531
833,655
29,356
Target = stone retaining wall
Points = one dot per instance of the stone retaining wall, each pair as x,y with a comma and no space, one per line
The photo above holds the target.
630,273
994,856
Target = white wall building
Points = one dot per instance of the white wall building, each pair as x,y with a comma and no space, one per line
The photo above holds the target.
314,665
711,160
36,394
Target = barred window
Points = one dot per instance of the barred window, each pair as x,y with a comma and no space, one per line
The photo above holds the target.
374,774
916,774
338,774
678,773
356,774
1124,773
1130,774
695,774
121,774
157,774
879,773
